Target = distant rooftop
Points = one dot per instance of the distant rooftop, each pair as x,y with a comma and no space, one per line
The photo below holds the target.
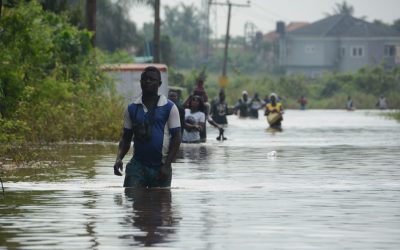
270,36
344,26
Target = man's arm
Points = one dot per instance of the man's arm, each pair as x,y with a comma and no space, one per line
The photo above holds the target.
173,150
173,147
123,148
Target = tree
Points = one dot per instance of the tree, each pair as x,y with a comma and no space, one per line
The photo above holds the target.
396,25
183,25
114,29
343,9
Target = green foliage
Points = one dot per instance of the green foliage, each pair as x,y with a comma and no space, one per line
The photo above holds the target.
114,29
51,88
119,56
395,115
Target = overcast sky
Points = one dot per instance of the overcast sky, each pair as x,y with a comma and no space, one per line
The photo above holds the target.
265,13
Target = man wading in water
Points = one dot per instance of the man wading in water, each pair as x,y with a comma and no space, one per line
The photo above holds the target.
153,122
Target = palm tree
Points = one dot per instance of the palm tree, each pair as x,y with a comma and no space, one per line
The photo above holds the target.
343,9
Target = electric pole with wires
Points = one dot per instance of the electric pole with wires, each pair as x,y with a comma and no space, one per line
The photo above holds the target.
223,80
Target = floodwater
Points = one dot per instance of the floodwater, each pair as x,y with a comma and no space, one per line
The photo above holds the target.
333,182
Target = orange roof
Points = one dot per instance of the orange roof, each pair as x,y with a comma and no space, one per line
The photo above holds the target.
295,25
272,35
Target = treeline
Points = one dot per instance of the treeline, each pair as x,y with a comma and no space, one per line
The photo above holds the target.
327,92
51,88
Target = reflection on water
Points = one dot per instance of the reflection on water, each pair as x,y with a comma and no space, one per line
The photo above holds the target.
152,213
333,182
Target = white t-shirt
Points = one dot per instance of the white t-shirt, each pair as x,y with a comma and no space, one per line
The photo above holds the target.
196,118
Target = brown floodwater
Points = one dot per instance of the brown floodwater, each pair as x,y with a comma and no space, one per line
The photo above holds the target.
329,180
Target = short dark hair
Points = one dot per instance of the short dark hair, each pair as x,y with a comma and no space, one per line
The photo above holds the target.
150,69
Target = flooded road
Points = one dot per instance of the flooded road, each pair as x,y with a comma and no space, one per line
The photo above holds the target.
329,180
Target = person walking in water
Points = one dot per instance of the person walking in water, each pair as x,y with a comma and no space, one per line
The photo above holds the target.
381,104
174,97
194,120
201,92
255,104
218,113
242,105
303,102
153,122
274,111
349,103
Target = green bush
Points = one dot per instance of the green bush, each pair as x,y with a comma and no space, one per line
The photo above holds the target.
51,88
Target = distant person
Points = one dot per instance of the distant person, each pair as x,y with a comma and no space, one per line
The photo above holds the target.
153,122
242,105
266,99
381,104
218,113
255,104
194,120
303,102
349,103
274,111
174,97
219,109
200,91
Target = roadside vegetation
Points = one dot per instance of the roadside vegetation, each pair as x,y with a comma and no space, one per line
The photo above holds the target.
51,88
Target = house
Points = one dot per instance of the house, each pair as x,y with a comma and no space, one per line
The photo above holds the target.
338,43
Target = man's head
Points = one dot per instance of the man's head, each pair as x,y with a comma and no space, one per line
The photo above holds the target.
200,81
245,95
222,95
173,96
150,80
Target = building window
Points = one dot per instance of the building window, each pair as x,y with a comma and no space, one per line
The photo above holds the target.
342,51
357,51
310,49
390,50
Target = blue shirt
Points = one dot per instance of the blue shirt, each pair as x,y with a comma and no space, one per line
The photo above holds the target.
164,120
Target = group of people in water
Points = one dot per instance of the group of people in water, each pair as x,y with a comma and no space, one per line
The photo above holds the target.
249,107
380,104
197,110
158,125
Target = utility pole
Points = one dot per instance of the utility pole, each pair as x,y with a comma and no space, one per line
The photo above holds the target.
156,43
91,19
223,79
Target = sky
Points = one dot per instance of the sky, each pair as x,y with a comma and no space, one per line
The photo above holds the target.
265,13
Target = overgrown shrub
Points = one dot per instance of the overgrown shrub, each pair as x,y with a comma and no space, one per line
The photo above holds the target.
51,88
